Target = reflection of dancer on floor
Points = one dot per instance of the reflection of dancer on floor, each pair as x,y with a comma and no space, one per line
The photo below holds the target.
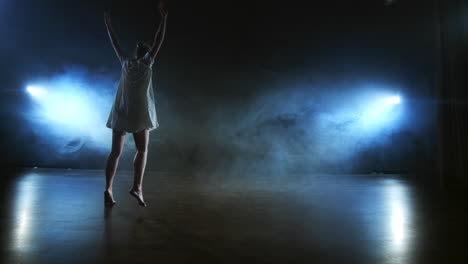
133,110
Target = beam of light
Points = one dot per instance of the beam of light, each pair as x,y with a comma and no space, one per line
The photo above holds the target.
319,127
394,100
35,90
73,111
380,112
368,113
355,119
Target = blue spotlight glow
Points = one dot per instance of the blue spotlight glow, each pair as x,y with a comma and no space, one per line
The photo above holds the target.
354,120
394,100
382,113
71,109
35,90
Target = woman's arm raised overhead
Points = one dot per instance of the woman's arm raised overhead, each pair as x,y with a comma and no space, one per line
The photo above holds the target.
159,36
113,37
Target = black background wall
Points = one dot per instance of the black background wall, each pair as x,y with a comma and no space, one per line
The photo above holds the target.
453,115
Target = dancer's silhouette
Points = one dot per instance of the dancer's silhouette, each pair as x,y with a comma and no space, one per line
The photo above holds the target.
133,110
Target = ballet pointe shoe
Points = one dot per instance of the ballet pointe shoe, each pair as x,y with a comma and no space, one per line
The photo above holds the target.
108,200
139,199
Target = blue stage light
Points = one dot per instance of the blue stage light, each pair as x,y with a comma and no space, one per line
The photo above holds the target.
35,90
383,111
70,110
393,100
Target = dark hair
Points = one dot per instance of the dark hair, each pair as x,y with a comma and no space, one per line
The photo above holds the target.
141,49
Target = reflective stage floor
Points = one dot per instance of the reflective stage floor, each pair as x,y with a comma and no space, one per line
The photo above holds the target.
58,216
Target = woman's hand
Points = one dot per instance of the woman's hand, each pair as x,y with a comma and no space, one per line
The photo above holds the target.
107,18
162,9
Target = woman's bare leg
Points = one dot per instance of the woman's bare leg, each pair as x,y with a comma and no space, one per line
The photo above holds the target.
118,139
139,163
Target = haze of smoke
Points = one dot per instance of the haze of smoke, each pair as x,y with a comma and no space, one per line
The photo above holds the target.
304,128
307,127
73,112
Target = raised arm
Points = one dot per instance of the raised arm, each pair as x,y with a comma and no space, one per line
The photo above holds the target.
159,36
113,37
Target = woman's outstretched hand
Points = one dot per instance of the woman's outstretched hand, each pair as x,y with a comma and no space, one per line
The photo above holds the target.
162,9
107,18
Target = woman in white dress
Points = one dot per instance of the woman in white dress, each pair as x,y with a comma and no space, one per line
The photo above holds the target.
133,110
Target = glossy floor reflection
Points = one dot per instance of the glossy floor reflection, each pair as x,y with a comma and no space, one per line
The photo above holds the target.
58,216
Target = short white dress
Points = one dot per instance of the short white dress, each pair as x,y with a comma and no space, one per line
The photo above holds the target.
134,109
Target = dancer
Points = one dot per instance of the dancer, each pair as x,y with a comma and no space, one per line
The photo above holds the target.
133,110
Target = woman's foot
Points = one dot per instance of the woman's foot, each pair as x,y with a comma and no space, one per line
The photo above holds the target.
138,194
108,199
